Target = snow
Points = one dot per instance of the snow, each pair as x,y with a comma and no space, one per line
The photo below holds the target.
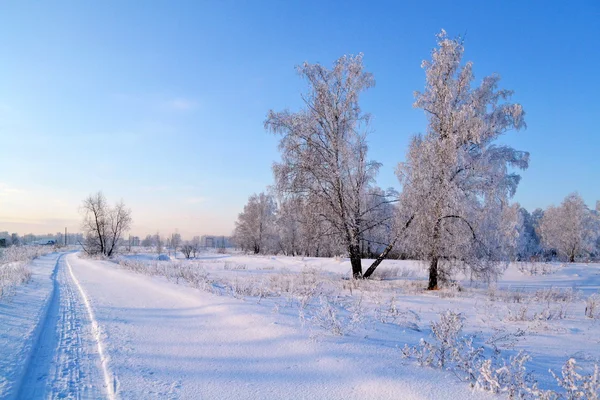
22,318
88,328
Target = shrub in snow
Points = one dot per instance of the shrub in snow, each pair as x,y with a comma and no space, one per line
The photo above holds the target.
327,317
12,275
13,266
446,345
578,386
511,377
236,267
164,257
390,313
592,306
497,374
535,268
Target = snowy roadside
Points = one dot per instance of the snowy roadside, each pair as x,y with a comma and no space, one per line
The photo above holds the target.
22,316
545,313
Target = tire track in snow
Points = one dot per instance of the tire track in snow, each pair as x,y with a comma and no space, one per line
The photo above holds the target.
40,353
110,385
64,361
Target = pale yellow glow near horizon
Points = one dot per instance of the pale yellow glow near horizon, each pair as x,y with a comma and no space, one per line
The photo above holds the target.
42,211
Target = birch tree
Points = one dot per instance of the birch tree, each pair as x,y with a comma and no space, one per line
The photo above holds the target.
324,150
456,181
569,228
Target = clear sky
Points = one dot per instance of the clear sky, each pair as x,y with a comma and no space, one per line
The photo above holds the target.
162,104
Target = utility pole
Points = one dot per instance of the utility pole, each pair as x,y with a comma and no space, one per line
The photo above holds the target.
65,236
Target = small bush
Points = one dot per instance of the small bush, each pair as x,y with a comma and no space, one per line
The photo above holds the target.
592,306
13,266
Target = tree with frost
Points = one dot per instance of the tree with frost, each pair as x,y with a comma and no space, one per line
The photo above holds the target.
324,151
147,241
254,227
456,181
528,242
103,226
187,248
196,244
317,236
158,243
175,242
288,226
569,228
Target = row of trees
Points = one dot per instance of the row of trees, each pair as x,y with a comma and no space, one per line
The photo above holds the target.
173,243
454,209
104,227
570,231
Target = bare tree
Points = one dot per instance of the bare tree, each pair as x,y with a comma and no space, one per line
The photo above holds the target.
255,225
187,248
147,241
570,229
175,243
158,243
196,243
103,226
324,151
456,181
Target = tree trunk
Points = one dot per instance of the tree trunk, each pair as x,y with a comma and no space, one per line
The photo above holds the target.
385,252
379,259
355,261
433,274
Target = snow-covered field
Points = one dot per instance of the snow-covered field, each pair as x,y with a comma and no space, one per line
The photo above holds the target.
238,326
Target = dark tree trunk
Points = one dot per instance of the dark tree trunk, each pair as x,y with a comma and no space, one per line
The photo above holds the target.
379,259
387,250
355,261
433,274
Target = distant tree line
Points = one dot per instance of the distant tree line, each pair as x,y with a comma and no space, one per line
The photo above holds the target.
14,239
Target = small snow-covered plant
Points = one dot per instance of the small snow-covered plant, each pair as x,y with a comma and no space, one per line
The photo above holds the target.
446,333
502,338
12,275
13,266
557,295
235,267
578,386
328,318
511,377
390,313
446,344
592,306
357,312
535,268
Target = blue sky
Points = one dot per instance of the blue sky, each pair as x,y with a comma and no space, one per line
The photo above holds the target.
162,103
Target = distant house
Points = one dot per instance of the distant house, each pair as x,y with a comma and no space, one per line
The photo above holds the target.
3,242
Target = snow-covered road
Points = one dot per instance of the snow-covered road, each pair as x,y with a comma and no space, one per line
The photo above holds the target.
65,362
112,333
